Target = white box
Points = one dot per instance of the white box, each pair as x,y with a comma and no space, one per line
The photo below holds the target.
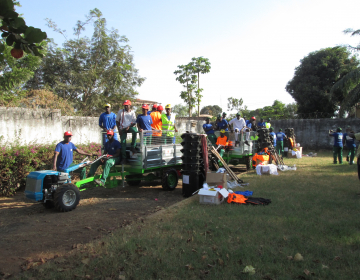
212,197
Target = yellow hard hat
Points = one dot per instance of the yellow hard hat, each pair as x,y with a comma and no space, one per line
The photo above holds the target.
222,131
107,105
168,106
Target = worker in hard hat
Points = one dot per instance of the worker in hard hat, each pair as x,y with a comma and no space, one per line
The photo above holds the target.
222,142
209,130
144,122
157,124
107,121
113,150
224,124
238,125
126,123
153,109
253,127
261,123
217,122
268,123
63,155
168,123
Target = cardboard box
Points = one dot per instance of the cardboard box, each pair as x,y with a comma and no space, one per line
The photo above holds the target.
213,197
265,170
266,162
294,149
214,179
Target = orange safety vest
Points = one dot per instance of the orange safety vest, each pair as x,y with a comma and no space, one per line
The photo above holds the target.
237,198
157,123
261,158
291,142
222,141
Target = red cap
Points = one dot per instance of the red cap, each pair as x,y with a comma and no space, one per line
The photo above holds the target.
127,102
253,118
145,106
67,133
160,108
109,132
155,106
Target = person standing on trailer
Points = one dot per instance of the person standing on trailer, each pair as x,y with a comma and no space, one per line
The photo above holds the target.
217,122
268,123
261,123
273,135
338,145
63,155
153,109
113,149
209,130
238,124
223,124
144,122
157,124
253,127
126,121
280,136
350,145
107,121
168,123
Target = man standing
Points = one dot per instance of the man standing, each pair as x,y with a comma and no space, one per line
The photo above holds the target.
280,142
338,144
144,122
261,123
157,124
209,130
154,109
273,136
223,124
126,121
107,121
168,123
112,148
350,145
217,122
268,124
238,124
63,155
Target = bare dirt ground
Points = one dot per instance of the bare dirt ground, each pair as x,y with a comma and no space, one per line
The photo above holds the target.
29,232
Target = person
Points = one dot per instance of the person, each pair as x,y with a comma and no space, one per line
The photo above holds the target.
253,123
273,135
168,123
209,130
156,125
113,149
238,125
222,142
268,124
350,145
126,121
63,155
280,142
338,144
217,122
107,121
223,124
153,109
261,123
144,122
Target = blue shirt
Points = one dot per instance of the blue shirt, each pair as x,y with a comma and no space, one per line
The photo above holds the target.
261,124
338,138
224,125
350,142
111,148
248,123
273,136
108,120
280,136
207,126
65,157
145,121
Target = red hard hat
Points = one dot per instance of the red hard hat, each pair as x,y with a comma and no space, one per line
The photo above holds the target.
127,102
155,106
109,132
67,133
253,118
145,106
160,108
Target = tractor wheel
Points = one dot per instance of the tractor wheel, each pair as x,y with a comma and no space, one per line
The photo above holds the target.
248,163
49,204
170,179
131,182
66,197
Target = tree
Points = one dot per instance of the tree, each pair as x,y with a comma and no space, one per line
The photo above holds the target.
17,34
89,72
199,66
276,111
314,78
213,110
180,110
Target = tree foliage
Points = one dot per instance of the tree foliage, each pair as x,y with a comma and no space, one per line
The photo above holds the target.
213,110
277,111
314,78
89,72
180,110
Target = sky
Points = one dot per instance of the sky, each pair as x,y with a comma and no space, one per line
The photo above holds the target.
253,46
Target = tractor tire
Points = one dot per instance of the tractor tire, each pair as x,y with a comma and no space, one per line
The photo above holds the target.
49,204
66,197
170,179
248,163
132,183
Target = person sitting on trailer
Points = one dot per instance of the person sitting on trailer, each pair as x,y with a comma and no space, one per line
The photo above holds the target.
350,145
63,155
144,122
209,130
222,142
153,109
238,125
113,149
223,124
107,121
126,121
168,123
157,124
273,135
261,123
280,142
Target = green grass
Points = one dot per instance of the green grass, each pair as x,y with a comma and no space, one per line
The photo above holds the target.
314,212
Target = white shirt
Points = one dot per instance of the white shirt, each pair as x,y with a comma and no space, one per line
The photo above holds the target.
238,123
125,118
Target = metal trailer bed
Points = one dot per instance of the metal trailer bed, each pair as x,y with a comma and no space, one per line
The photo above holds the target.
159,158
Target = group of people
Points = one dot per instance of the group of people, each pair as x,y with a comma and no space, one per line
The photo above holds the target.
347,139
125,121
